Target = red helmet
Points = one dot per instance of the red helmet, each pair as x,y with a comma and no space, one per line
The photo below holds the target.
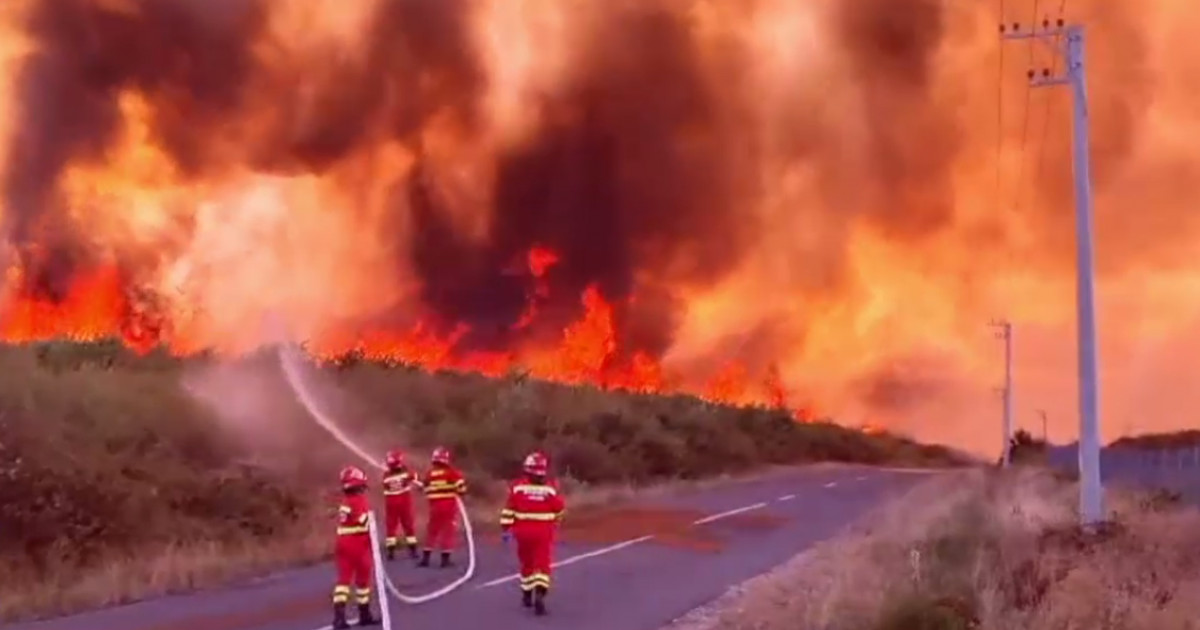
441,455
395,458
536,464
353,477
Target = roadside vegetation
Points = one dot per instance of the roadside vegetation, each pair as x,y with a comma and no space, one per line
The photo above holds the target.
1160,441
124,476
986,550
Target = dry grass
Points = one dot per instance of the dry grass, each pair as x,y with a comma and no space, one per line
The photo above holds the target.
988,551
173,568
129,476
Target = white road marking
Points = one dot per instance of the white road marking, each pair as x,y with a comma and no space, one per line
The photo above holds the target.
572,560
717,517
862,478
628,543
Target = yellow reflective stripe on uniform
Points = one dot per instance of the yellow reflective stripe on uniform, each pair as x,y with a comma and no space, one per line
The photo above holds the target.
349,531
533,516
441,495
535,489
341,594
344,509
403,479
530,582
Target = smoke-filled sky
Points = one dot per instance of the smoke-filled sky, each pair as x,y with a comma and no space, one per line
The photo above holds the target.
820,184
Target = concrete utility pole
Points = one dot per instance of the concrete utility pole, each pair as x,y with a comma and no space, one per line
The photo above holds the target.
1004,332
1091,499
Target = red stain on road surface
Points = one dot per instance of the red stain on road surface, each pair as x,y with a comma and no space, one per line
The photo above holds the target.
668,526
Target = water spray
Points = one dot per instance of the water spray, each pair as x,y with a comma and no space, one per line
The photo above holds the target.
289,359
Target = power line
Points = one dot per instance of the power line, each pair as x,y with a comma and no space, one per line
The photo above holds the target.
999,115
1041,156
1024,125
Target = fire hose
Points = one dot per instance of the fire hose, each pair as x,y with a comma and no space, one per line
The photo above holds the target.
289,360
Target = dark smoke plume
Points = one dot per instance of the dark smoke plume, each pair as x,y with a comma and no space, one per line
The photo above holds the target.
643,166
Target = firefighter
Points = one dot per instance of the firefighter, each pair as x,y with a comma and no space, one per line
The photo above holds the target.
531,515
398,482
352,554
443,484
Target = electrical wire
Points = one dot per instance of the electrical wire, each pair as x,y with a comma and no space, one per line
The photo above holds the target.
1041,158
1025,124
1000,115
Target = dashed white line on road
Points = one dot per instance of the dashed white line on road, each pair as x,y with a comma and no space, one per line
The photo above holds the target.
717,517
572,560
629,543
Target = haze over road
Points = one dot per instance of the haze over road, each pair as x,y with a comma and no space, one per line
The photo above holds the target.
636,568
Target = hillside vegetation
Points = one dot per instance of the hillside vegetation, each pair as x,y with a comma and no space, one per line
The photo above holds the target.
1160,441
125,475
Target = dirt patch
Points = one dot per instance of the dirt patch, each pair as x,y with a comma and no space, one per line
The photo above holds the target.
296,608
670,527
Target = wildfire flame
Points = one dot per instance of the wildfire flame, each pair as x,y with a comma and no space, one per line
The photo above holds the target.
803,204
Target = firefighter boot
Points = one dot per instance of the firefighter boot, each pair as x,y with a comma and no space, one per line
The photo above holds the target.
527,598
412,550
446,559
539,600
365,616
425,558
391,552
339,617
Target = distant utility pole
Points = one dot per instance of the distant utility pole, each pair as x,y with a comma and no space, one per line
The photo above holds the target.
1045,434
1091,492
1005,333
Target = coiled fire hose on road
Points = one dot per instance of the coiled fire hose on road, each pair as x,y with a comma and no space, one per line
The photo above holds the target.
289,360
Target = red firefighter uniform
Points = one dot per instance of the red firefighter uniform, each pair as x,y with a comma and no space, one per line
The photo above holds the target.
531,515
352,553
398,482
443,484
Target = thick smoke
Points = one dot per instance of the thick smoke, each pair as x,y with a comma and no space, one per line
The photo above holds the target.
191,57
812,182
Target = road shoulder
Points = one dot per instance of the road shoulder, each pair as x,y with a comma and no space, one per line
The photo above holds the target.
806,575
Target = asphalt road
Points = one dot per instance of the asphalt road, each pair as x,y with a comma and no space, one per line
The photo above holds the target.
637,569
